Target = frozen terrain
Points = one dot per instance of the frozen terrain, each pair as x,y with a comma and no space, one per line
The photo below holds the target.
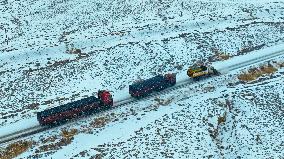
124,41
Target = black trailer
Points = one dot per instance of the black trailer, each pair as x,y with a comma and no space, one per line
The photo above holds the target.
83,107
61,114
157,83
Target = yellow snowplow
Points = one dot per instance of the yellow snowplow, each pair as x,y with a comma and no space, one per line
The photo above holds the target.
200,71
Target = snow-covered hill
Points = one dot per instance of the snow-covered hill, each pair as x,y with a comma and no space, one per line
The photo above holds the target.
122,41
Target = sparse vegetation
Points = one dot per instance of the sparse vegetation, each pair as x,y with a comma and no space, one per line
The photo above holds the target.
258,138
15,149
268,69
222,119
68,134
249,47
280,64
219,55
49,139
75,51
163,102
209,88
223,56
214,129
56,143
255,73
99,122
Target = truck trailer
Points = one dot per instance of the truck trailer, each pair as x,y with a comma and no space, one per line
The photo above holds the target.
83,107
146,87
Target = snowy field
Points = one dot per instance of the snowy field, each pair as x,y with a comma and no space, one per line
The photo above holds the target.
124,41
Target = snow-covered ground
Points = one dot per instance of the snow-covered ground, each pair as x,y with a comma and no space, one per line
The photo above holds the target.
186,126
123,41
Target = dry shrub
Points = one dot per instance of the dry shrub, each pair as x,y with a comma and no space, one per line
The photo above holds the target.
223,56
255,73
268,69
163,102
246,77
48,147
54,146
281,64
67,137
49,139
222,119
15,149
209,88
219,55
47,102
33,106
229,104
75,51
121,33
99,122
69,134
213,133
98,156
60,63
257,138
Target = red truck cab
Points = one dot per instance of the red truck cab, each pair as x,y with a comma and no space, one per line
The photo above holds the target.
105,97
171,78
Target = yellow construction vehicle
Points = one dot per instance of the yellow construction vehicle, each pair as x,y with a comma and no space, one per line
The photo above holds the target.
201,71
